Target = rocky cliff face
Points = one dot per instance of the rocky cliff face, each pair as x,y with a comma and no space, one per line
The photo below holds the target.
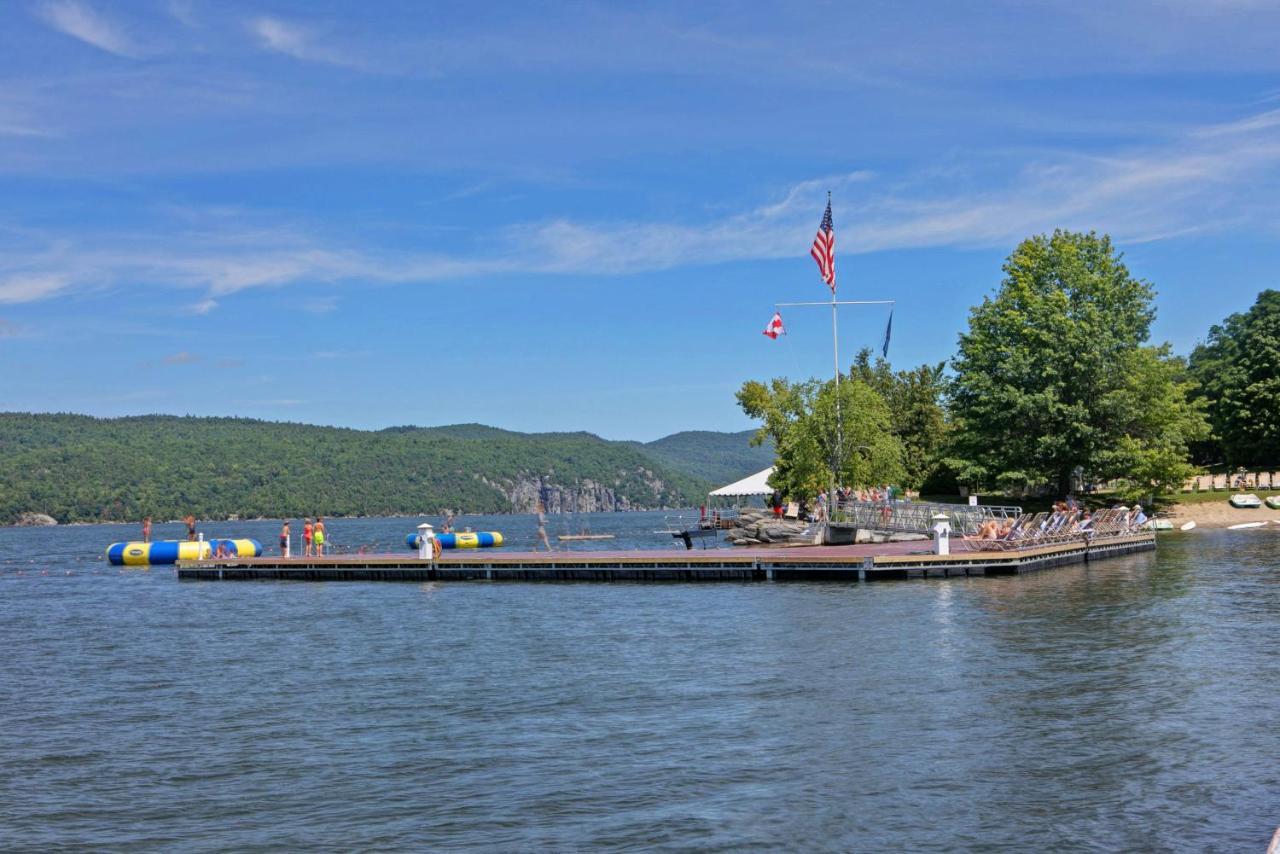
29,520
583,496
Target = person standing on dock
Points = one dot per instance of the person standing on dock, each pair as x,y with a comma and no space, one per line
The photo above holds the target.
191,528
542,530
146,530
317,536
284,539
306,537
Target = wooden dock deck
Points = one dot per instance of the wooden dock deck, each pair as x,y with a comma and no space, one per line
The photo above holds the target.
809,563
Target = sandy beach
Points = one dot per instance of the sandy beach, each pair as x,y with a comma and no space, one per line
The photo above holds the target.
1220,514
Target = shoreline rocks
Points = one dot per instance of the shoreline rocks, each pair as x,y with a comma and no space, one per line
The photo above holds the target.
754,527
34,520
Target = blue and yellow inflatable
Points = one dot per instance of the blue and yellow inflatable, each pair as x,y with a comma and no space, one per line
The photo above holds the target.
172,551
469,540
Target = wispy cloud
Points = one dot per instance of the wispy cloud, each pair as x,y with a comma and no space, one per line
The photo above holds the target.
182,357
320,305
81,22
1203,179
297,41
31,287
202,307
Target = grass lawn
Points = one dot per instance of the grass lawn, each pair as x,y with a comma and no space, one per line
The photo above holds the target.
1210,497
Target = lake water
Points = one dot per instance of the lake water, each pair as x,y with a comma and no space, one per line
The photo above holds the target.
1126,705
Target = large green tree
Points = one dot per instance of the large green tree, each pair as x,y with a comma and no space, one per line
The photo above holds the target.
918,419
819,430
1054,376
1238,372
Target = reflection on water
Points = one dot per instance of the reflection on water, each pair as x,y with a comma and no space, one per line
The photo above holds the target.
1127,704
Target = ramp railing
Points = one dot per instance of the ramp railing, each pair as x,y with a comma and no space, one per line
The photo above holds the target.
917,517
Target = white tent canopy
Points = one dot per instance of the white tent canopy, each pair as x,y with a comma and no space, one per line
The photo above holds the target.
756,484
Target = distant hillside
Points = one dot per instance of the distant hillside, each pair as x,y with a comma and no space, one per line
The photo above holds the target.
78,468
715,458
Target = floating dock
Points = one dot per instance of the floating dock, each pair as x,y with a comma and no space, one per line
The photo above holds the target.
809,563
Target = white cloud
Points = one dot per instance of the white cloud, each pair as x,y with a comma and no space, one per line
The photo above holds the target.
202,307
182,358
81,22
1202,180
296,41
30,287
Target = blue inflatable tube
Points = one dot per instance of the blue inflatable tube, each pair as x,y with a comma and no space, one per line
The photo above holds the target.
468,540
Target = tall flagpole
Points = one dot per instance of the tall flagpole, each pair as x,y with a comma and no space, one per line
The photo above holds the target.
835,361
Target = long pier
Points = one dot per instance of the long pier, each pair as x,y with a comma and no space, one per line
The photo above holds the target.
876,562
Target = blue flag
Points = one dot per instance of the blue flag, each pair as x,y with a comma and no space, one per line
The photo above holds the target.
888,330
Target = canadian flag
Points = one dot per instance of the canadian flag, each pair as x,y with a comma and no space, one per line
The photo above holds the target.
774,329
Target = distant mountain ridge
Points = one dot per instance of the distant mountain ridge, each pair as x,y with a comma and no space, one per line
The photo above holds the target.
81,468
711,457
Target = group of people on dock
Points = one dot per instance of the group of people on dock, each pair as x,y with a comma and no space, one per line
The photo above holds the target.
313,537
1067,517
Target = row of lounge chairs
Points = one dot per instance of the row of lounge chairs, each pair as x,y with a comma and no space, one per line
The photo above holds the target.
1223,482
1033,530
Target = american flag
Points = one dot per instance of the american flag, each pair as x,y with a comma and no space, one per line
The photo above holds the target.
824,248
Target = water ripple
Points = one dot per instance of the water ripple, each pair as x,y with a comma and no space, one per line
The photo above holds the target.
1121,705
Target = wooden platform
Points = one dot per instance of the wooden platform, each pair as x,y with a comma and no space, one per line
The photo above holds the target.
810,563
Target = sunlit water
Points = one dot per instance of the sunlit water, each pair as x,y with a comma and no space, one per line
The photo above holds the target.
1126,705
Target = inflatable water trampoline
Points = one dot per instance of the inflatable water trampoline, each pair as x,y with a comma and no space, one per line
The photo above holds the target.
172,551
468,540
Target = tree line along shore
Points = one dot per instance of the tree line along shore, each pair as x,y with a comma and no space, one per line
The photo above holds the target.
1055,388
77,468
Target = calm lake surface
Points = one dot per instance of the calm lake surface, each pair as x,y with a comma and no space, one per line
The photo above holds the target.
1131,704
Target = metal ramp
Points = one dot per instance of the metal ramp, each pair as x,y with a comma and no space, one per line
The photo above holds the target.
916,518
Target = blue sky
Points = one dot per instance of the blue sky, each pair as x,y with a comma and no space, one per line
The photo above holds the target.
580,216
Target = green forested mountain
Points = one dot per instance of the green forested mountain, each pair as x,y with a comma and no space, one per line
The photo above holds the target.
717,458
79,468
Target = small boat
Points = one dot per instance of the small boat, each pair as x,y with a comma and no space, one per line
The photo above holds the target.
1187,526
585,537
1159,525
1273,501
1245,525
1245,500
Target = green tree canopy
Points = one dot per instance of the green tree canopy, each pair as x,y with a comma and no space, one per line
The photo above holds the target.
1238,372
916,412
812,441
1054,375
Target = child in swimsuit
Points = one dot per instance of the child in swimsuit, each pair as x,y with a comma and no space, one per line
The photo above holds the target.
318,537
306,538
284,538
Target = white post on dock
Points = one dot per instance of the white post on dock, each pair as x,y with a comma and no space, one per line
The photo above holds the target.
426,541
941,534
